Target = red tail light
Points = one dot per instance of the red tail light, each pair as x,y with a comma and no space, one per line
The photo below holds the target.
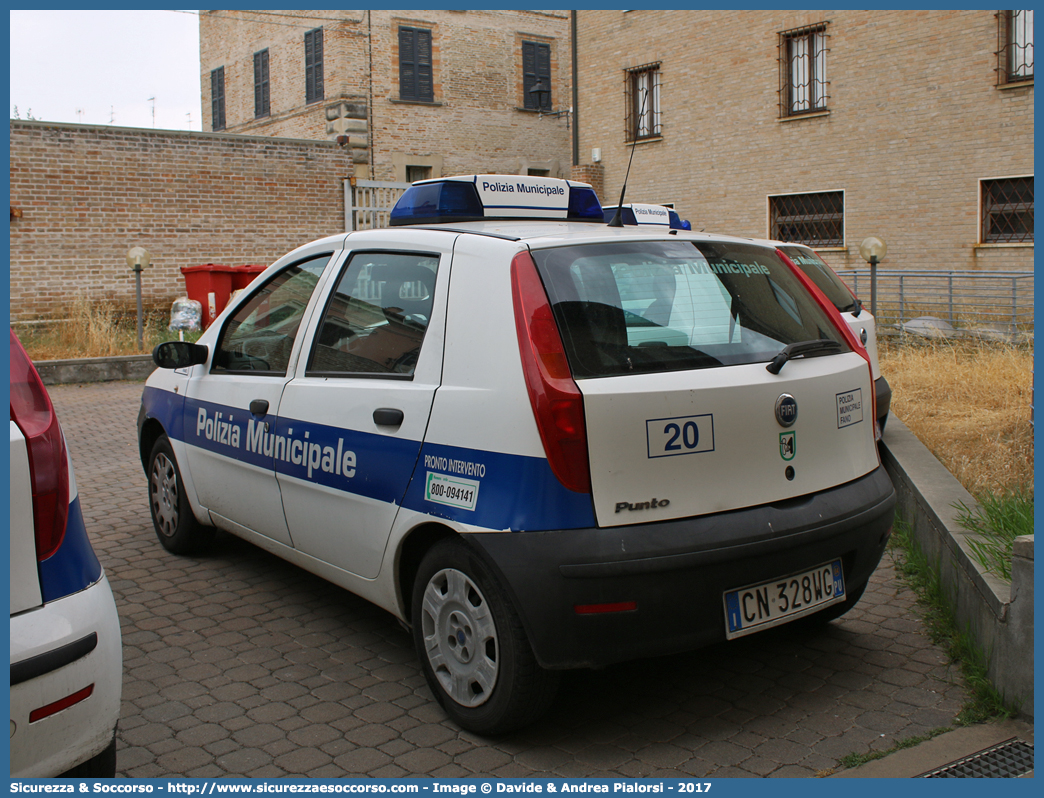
558,405
838,322
32,411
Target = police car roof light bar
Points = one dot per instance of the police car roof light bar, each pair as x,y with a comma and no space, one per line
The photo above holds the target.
471,198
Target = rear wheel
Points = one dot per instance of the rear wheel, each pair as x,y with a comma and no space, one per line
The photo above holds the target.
176,526
472,646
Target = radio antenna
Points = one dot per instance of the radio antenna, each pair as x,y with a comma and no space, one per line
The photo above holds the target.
618,216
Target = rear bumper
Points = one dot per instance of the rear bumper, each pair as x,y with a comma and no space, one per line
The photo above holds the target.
60,649
677,571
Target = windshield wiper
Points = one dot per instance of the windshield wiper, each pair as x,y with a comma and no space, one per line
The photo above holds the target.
856,308
822,346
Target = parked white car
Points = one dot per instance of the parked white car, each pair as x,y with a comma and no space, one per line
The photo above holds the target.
66,649
541,441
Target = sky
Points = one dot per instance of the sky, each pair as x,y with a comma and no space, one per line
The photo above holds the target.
102,68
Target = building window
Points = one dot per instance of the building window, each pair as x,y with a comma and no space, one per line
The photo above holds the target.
643,102
536,66
817,220
802,70
415,70
415,173
1007,210
314,65
1015,46
217,99
262,97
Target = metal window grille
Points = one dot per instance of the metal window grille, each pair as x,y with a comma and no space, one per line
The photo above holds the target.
1014,46
642,89
817,220
802,70
1007,210
217,99
415,65
314,65
262,97
536,66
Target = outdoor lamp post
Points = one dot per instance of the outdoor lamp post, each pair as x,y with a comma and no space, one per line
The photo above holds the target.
137,260
542,91
872,250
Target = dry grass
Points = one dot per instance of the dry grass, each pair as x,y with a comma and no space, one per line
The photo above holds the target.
95,329
969,403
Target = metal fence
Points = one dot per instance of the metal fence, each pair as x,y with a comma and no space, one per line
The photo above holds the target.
368,203
966,300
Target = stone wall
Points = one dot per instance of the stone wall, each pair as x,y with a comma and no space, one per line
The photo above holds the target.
81,196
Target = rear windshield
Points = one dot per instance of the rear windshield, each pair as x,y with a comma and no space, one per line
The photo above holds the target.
823,276
651,306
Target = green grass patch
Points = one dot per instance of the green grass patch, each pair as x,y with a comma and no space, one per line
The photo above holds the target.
996,522
855,760
985,702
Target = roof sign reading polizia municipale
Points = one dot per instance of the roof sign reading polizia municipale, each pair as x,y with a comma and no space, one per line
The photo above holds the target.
482,197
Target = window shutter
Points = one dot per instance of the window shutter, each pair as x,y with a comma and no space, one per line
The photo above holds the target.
425,86
314,65
536,65
415,65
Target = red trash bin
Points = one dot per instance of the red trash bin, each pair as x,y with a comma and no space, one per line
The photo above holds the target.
243,275
210,284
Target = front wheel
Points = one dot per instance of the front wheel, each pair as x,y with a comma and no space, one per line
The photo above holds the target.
472,646
176,526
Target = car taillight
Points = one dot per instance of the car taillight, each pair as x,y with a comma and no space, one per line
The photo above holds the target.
32,411
558,405
839,323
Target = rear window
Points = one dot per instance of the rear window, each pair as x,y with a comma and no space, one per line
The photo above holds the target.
652,306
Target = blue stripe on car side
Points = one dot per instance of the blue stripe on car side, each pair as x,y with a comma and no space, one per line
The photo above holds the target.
74,567
515,492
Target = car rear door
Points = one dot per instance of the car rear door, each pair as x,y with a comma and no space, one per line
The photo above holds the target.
360,401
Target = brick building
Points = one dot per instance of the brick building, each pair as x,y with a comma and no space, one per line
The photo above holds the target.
82,195
821,126
411,94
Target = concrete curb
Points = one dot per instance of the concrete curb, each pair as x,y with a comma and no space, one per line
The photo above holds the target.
940,751
998,615
95,369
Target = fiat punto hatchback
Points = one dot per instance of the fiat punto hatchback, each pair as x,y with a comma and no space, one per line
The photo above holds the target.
540,441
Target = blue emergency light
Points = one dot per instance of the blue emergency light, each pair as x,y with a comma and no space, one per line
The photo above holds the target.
475,198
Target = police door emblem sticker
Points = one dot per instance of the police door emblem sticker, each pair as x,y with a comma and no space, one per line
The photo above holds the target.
787,445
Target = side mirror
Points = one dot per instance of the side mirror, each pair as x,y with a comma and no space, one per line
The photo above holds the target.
179,355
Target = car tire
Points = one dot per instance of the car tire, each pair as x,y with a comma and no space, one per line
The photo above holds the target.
100,766
473,649
176,526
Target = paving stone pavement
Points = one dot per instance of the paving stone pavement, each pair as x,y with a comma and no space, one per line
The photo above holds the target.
239,664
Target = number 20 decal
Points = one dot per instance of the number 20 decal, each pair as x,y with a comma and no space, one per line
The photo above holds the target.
670,437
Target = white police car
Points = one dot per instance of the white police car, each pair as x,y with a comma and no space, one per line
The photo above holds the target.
66,650
541,441
858,318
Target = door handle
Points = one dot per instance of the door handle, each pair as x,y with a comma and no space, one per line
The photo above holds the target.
387,417
259,407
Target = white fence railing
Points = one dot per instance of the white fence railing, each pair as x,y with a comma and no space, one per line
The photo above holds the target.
368,203
1001,301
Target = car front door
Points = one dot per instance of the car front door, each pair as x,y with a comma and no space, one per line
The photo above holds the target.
230,408
360,402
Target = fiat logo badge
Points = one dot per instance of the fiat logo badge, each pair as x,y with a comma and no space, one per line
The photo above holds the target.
786,410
